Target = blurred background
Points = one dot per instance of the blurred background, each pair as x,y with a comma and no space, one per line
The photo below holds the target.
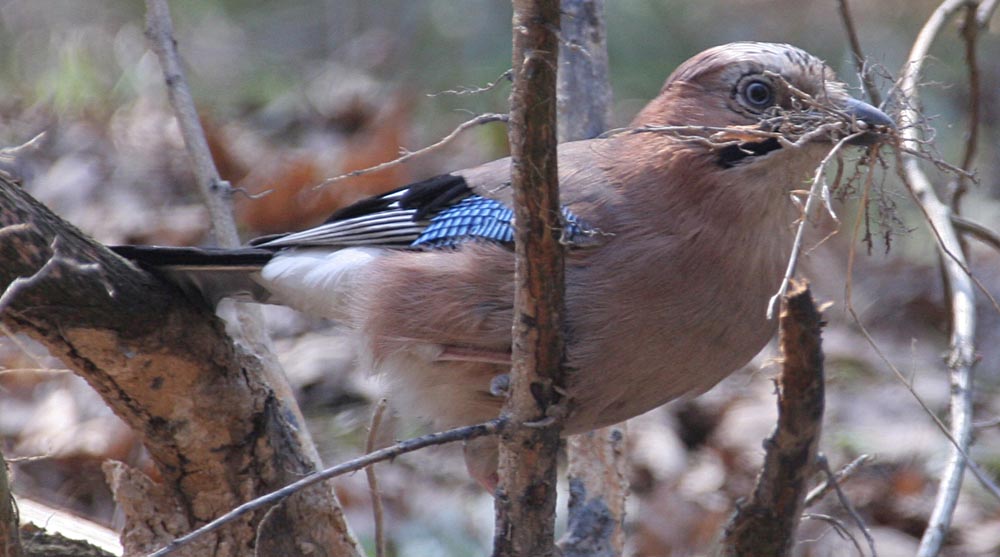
297,91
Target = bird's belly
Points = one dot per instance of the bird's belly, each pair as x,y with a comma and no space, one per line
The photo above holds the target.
623,363
634,383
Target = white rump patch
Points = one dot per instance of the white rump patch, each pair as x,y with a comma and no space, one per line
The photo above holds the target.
317,281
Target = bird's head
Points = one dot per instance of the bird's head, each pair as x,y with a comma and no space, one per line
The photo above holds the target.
754,89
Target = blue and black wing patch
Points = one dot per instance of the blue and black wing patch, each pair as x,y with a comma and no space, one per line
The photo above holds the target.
440,212
481,219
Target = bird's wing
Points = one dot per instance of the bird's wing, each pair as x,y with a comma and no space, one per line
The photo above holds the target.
443,211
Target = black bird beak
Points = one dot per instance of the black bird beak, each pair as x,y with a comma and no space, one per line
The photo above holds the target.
878,122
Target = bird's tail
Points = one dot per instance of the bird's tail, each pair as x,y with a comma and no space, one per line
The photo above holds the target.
208,274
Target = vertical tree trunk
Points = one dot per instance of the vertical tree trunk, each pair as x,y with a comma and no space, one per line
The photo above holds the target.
597,461
525,499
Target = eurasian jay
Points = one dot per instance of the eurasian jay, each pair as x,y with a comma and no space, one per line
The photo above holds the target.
674,245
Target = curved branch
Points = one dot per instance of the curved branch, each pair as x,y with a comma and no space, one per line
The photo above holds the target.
962,296
464,433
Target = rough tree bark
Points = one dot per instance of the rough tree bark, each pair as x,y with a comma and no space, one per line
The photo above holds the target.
766,524
216,430
597,463
10,540
525,499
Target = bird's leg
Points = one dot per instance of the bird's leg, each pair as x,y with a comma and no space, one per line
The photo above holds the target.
500,385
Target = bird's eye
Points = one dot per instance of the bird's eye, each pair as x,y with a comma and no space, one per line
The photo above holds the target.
758,94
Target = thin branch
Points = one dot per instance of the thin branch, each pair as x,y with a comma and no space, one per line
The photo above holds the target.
859,57
962,297
992,422
34,370
388,453
463,91
980,232
373,491
986,482
217,196
983,478
214,191
820,491
960,360
941,164
815,192
970,32
477,121
985,12
11,157
839,527
831,479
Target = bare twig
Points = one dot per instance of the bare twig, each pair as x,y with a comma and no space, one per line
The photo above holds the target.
815,192
35,370
214,191
983,478
462,91
962,297
987,483
941,164
11,158
839,527
216,194
859,56
388,453
831,479
984,424
843,474
980,232
477,121
970,32
376,496
985,12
